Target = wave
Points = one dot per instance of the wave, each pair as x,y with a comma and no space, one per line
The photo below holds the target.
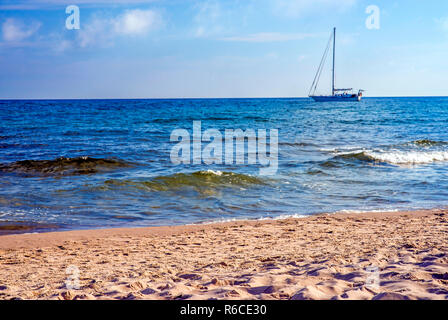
200,181
63,166
422,144
396,157
270,218
368,211
415,152
409,157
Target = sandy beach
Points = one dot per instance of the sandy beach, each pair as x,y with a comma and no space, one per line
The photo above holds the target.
390,255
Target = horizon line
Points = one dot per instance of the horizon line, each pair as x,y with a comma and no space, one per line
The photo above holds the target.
198,98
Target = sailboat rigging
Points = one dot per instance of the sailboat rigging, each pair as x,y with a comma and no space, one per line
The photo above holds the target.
336,94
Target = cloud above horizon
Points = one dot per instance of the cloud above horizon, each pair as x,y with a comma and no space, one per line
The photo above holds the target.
14,30
137,22
186,48
102,31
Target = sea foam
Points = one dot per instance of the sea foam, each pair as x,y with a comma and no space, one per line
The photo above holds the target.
408,157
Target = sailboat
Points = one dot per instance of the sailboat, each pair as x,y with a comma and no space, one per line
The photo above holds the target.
336,94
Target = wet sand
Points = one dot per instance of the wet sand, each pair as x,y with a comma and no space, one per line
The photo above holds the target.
390,255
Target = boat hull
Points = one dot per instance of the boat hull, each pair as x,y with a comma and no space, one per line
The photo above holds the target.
336,98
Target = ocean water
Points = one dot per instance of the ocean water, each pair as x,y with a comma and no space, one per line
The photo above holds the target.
106,163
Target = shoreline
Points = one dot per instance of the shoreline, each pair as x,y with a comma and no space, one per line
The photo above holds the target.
322,256
49,238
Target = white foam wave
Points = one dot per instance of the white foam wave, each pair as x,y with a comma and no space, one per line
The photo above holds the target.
367,211
341,150
217,173
408,157
280,217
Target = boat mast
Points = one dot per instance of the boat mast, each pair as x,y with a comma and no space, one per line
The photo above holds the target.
334,49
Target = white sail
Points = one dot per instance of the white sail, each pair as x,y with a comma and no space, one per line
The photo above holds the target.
336,94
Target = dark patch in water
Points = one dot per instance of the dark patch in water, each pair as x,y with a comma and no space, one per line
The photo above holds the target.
127,218
63,166
360,156
429,143
14,227
330,164
316,172
349,160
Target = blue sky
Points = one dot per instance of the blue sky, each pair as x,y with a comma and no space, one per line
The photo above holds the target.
212,48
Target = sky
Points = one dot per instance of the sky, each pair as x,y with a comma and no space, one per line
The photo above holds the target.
220,48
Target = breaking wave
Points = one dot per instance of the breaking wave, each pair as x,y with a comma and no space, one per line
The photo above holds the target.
396,157
416,152
409,157
200,180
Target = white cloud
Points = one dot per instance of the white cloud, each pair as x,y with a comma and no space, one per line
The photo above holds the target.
103,31
96,32
137,22
15,31
269,37
295,8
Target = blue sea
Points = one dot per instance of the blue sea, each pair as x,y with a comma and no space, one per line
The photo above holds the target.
85,164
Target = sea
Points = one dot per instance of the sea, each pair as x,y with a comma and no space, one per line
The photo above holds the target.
91,164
